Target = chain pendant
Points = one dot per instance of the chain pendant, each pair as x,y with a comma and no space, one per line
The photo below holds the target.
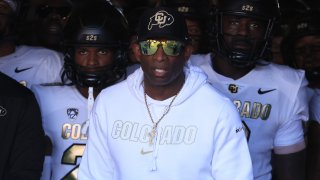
152,134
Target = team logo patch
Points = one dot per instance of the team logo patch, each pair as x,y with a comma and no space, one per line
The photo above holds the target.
161,19
72,113
3,111
233,88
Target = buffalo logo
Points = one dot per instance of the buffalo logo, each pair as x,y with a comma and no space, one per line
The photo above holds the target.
3,111
73,113
161,19
233,88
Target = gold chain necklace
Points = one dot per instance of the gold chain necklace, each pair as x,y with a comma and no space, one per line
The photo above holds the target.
153,132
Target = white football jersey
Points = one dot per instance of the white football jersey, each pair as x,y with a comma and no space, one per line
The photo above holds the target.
315,106
32,65
272,102
64,115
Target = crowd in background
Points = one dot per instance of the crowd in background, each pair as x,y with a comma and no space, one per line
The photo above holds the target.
40,22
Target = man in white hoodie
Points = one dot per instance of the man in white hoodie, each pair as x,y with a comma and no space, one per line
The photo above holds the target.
180,128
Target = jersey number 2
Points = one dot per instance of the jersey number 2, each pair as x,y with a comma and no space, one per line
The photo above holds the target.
70,156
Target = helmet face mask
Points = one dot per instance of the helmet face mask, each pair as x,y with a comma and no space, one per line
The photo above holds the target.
94,77
260,22
7,22
242,45
307,56
100,76
101,30
301,47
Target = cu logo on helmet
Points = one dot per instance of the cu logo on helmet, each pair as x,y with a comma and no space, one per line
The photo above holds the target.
161,19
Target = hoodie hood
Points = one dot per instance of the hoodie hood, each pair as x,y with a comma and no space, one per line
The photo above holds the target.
195,78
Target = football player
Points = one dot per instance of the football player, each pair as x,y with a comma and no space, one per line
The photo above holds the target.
26,64
270,98
194,20
302,51
95,39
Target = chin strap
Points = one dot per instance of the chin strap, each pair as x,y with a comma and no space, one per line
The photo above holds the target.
85,125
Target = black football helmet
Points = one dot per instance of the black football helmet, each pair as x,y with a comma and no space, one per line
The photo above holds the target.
307,24
265,10
195,13
9,21
95,24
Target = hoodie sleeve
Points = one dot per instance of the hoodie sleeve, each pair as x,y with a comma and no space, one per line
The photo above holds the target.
97,162
231,158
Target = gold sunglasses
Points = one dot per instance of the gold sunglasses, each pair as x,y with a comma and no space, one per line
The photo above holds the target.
170,47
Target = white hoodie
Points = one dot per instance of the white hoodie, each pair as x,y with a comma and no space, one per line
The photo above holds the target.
201,138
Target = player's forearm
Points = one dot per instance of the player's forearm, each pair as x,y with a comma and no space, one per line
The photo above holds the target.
289,166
